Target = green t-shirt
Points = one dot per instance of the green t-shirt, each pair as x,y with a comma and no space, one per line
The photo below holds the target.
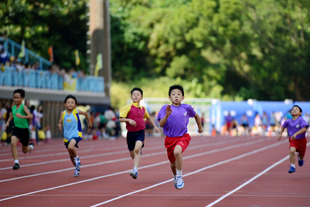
20,123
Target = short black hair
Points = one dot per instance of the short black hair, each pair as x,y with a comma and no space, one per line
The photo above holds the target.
70,96
136,89
176,87
297,107
21,92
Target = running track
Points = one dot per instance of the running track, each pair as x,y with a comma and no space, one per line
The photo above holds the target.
218,171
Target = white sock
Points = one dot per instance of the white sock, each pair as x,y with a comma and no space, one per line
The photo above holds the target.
293,165
16,161
31,146
179,173
135,169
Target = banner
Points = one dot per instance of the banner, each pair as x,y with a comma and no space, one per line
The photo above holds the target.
98,64
50,52
77,58
22,52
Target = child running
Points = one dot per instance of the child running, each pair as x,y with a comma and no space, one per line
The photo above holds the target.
20,114
134,115
174,119
72,130
296,129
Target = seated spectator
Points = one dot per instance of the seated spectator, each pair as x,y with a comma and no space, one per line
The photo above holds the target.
4,57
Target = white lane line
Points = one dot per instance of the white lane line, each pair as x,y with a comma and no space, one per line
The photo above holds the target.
249,181
127,158
191,173
104,154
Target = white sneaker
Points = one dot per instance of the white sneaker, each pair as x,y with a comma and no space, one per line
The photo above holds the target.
180,183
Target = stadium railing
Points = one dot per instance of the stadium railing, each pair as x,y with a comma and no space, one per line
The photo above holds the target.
9,76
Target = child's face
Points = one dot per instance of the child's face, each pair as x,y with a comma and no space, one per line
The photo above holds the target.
176,97
70,104
17,98
295,111
136,96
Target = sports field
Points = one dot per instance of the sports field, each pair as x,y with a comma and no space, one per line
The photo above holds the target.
218,171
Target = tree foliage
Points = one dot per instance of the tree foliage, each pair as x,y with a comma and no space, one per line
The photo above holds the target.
236,49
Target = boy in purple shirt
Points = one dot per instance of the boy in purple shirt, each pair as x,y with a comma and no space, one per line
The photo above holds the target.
174,120
296,129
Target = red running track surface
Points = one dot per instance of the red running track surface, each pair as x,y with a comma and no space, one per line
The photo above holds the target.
218,171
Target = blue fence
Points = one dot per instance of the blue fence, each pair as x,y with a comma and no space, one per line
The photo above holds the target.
45,80
13,49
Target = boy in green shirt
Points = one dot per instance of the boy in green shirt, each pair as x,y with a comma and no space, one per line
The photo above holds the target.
20,114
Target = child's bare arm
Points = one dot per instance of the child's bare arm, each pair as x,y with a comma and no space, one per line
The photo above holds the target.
302,130
153,123
130,121
60,121
90,125
198,121
280,133
27,116
9,120
163,121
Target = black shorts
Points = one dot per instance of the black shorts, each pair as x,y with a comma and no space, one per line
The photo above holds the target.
132,137
22,134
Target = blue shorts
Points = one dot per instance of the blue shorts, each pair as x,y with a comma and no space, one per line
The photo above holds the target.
77,141
132,137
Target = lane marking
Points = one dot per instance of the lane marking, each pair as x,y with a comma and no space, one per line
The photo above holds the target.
249,181
191,173
127,158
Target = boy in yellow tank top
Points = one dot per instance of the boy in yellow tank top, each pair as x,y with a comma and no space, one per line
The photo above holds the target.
20,114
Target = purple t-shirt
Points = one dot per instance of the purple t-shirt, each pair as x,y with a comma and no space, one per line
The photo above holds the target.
177,122
294,126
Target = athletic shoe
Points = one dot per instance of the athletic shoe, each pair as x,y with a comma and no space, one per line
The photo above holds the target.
76,172
31,144
300,162
133,174
180,183
77,163
175,182
16,166
291,170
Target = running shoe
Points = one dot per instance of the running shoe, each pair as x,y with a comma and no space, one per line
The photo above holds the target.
76,172
300,162
31,146
175,182
133,174
180,183
16,166
291,170
77,163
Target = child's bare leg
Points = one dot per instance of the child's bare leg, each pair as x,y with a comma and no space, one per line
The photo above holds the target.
178,157
71,150
173,169
26,149
137,156
292,155
14,141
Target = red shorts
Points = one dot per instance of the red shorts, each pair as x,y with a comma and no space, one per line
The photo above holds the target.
172,142
299,144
